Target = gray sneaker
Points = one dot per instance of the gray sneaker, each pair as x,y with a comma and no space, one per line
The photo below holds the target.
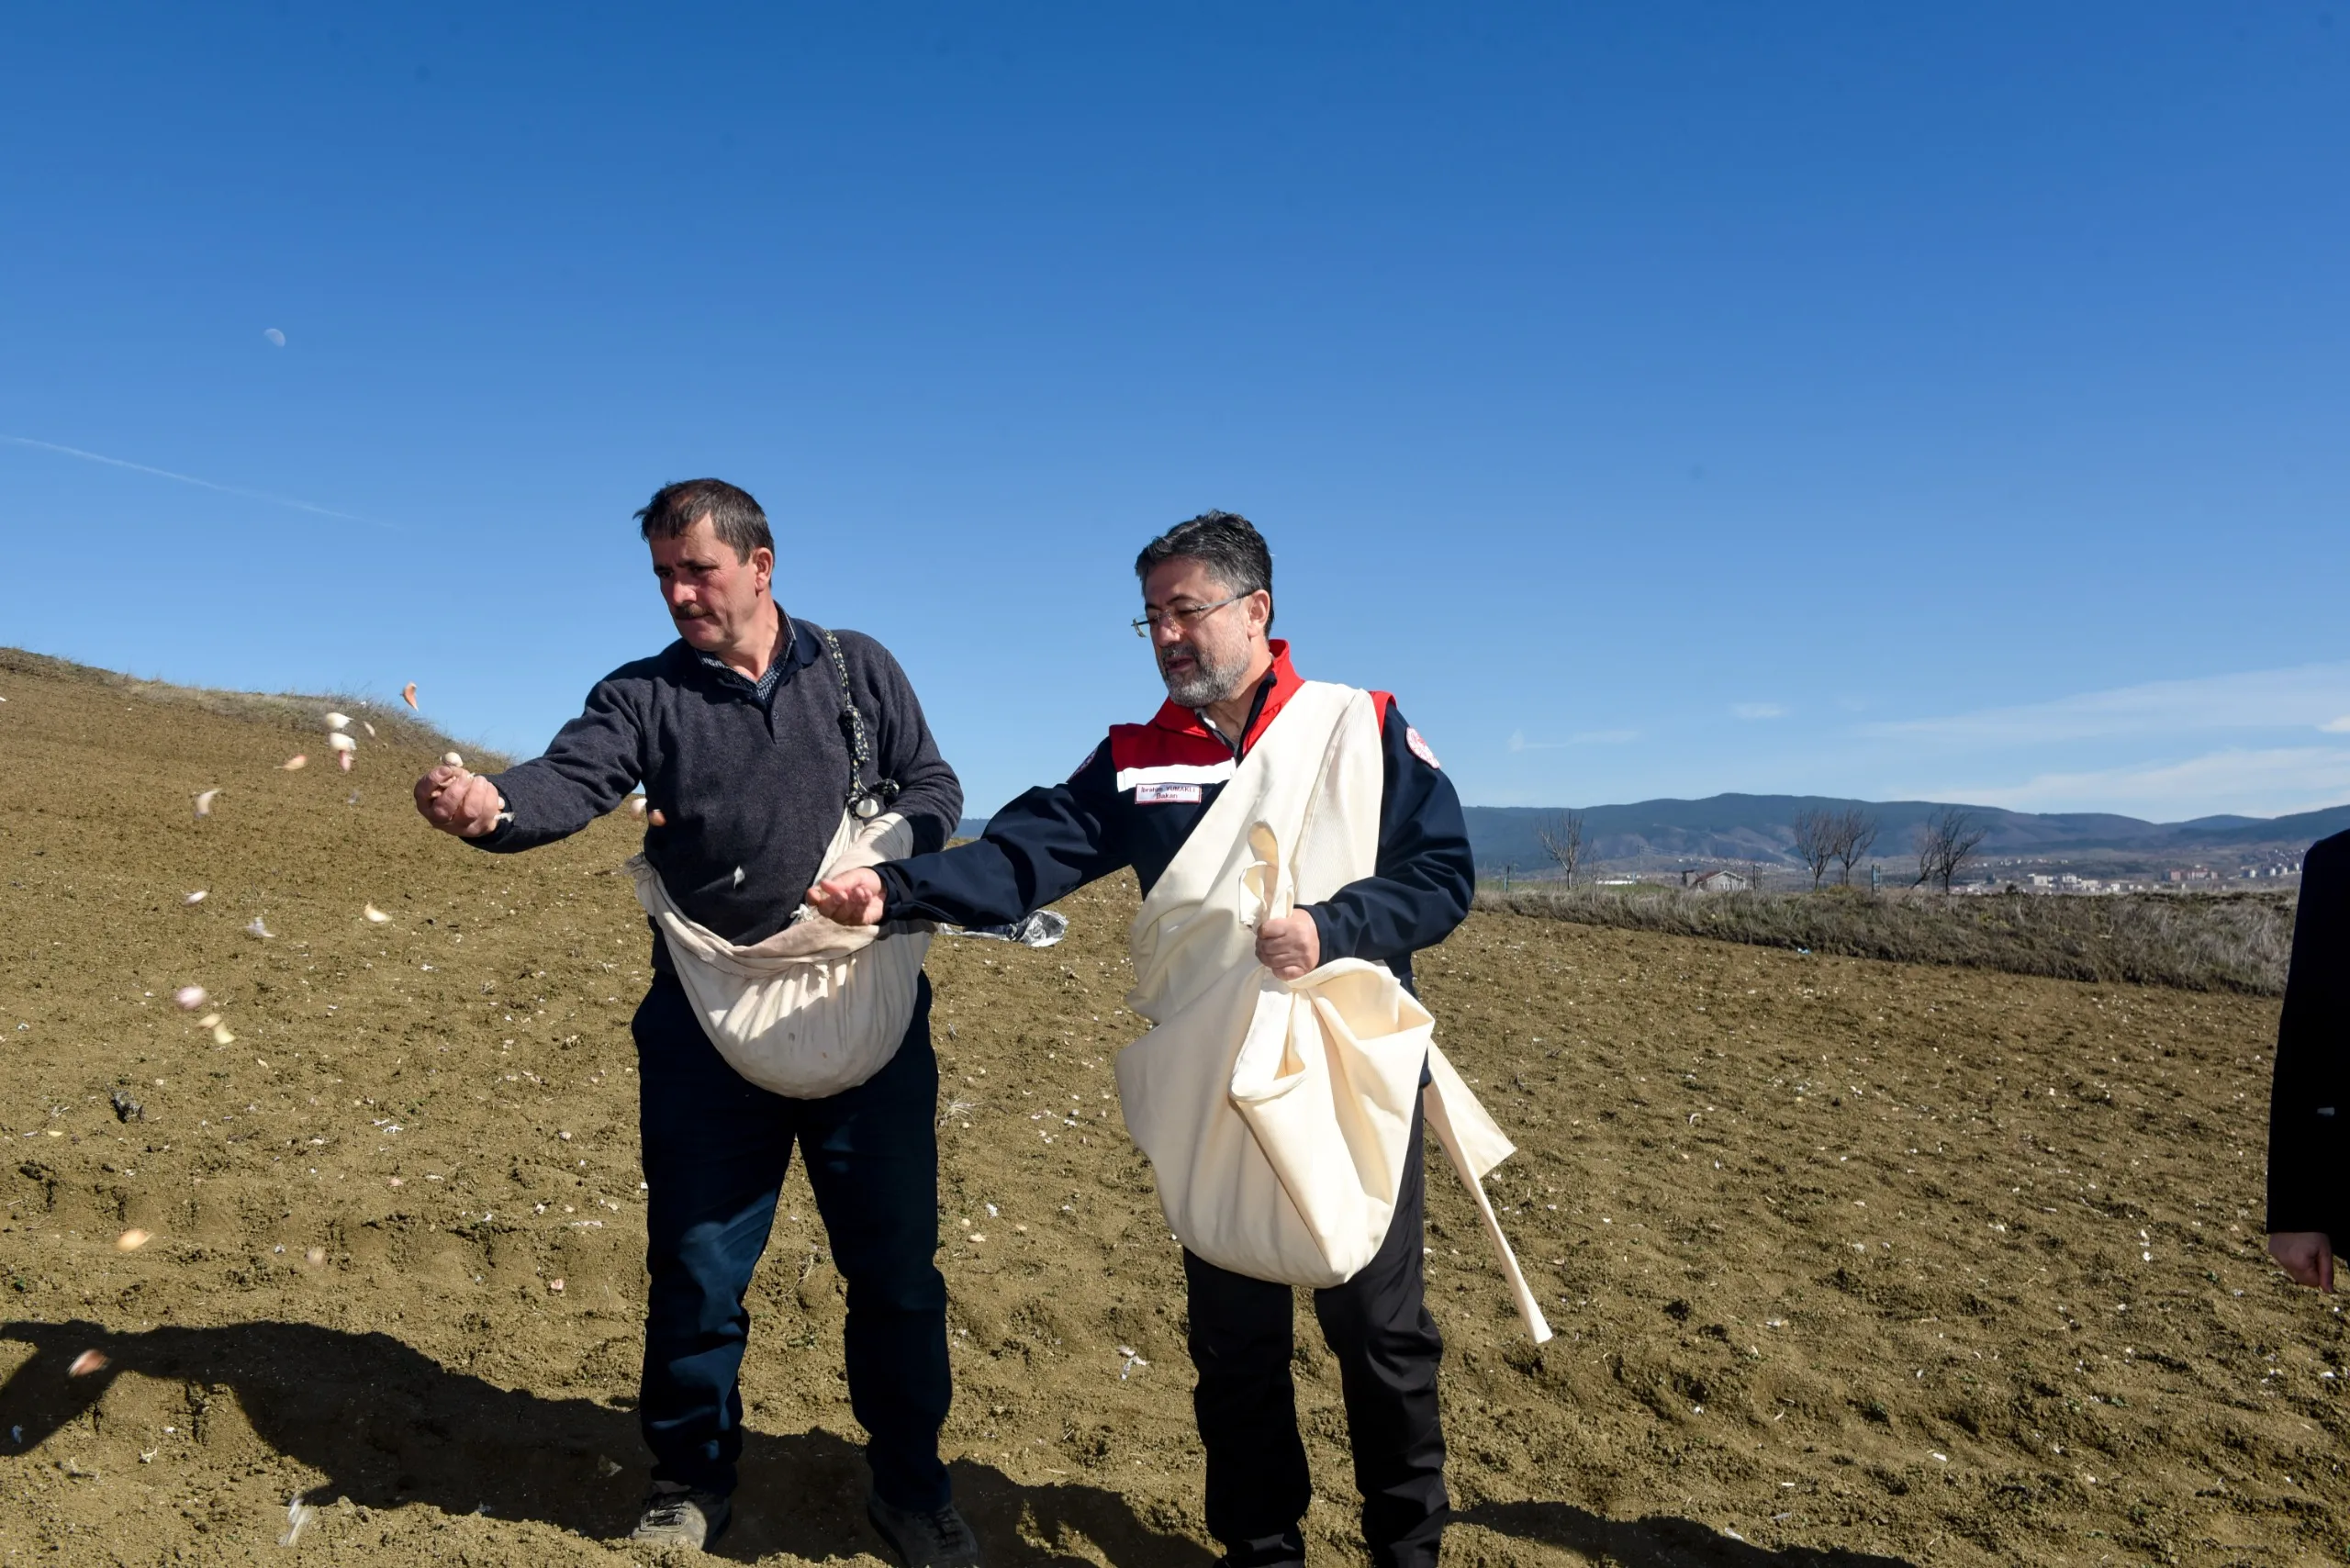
939,1538
677,1515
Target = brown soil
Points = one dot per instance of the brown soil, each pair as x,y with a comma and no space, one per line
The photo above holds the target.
1864,1263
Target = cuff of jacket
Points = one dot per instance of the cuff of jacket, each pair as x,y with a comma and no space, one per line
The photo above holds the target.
897,893
2282,1220
1325,937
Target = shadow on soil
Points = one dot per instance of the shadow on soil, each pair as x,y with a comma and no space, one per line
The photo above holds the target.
1657,1541
386,1425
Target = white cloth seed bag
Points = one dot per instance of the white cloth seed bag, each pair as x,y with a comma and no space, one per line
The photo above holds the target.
1277,1115
817,1008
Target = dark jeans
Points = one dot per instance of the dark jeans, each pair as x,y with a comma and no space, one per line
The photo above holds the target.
715,1152
1387,1347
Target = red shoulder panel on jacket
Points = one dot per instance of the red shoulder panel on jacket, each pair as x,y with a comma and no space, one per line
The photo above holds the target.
1148,745
1386,700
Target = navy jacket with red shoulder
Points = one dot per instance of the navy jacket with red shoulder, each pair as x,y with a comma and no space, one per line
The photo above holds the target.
1135,799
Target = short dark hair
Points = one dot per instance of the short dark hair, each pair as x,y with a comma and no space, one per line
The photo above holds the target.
1226,544
733,515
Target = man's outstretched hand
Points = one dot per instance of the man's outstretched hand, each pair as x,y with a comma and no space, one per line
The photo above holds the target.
852,897
2306,1255
457,802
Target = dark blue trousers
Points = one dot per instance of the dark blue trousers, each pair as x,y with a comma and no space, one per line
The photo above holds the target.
715,1152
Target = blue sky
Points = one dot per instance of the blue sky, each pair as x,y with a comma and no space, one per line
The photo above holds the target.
1659,400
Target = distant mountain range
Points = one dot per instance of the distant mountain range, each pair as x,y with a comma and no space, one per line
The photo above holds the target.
1760,827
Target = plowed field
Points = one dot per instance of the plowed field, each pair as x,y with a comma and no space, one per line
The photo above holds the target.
1850,1262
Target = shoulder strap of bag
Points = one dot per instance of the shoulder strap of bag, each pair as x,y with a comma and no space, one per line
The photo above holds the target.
865,800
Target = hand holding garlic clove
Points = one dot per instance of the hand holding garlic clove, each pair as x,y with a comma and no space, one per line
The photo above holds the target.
457,802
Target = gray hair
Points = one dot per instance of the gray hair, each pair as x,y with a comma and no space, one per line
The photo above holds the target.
1226,544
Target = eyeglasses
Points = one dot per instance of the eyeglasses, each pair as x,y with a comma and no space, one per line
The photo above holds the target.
1185,616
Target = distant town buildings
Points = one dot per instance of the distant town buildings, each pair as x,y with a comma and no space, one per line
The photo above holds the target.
2055,882
2261,870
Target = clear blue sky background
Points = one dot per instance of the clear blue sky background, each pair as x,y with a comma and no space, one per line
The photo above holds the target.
1661,399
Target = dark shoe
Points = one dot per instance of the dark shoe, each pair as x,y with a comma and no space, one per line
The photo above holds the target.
939,1538
679,1516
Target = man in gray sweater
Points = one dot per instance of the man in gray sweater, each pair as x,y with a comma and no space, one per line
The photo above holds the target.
743,734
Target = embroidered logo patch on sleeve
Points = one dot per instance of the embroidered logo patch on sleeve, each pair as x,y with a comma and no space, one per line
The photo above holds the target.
1420,748
1166,794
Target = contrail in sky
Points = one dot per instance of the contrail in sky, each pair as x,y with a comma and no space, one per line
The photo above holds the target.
185,478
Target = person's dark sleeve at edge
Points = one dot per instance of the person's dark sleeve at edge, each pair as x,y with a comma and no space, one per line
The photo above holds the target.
929,795
2307,1109
1427,872
1040,848
588,769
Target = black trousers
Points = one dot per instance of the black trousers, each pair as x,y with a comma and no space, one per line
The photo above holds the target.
1387,1347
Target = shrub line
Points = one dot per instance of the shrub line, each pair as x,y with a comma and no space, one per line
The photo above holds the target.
2236,942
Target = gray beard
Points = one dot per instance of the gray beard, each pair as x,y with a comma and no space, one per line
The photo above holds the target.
1207,684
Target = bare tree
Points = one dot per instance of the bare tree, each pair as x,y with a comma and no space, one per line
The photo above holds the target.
1560,834
1815,841
1855,832
1967,832
1945,842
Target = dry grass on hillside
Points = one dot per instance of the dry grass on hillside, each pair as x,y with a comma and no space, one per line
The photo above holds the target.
2237,941
292,713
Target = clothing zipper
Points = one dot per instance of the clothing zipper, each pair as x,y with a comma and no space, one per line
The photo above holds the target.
1264,690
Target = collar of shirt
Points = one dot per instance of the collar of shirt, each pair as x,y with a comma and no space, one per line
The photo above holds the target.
1273,693
801,647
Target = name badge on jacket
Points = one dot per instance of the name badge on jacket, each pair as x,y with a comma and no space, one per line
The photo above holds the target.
1166,794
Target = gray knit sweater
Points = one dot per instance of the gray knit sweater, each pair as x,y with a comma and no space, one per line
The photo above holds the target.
750,790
